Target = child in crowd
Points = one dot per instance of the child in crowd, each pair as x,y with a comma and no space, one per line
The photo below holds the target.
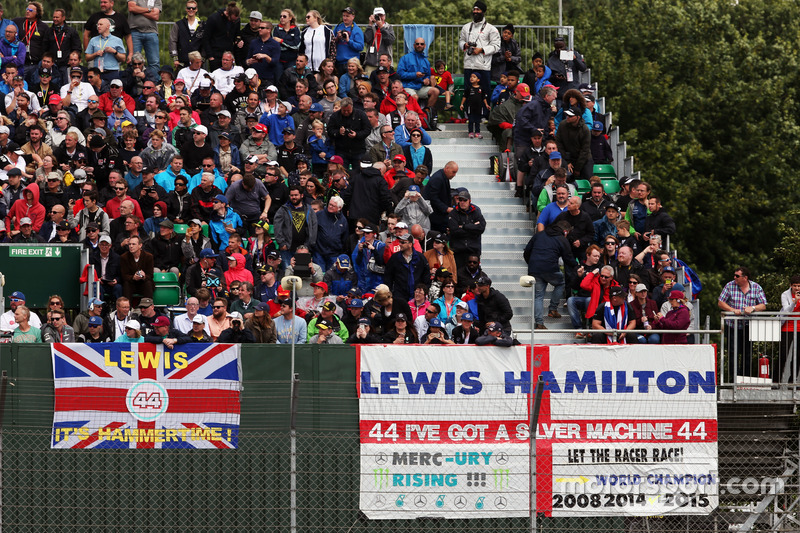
444,80
321,148
501,86
475,103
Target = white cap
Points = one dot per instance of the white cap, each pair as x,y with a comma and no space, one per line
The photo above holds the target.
205,83
133,324
256,15
201,129
199,319
105,238
250,73
287,105
4,129
272,88
462,304
25,220
378,11
236,315
117,83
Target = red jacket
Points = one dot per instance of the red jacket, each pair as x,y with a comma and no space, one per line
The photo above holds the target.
112,207
106,104
36,211
591,283
678,318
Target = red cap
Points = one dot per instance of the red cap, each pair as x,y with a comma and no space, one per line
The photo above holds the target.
322,285
399,157
523,91
54,99
262,128
336,160
161,321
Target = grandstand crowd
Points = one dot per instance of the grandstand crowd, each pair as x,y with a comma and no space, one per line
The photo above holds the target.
298,148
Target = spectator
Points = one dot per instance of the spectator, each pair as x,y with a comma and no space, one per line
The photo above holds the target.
542,254
386,149
363,333
405,269
401,332
132,333
264,54
117,20
657,222
95,333
219,320
9,320
509,56
597,204
564,73
741,297
582,233
414,208
136,269
184,322
645,311
601,150
493,306
574,141
438,193
466,225
199,331
290,328
370,196
580,301
261,325
679,318
617,316
349,39
57,330
414,70
436,333
185,36
480,41
332,234
109,51
551,210
348,128
222,33
495,336
236,333
606,226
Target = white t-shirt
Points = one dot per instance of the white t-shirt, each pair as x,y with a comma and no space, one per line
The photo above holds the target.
79,95
33,107
191,77
223,79
7,322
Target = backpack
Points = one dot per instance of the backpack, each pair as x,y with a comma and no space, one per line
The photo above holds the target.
504,167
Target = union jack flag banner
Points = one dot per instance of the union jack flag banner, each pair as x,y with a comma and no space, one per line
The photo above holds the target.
146,396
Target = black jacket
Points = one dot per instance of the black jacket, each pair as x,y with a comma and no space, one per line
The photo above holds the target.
220,34
64,38
660,223
438,193
241,336
186,42
427,159
459,334
358,122
166,252
494,308
545,249
112,266
402,276
466,228
172,333
370,197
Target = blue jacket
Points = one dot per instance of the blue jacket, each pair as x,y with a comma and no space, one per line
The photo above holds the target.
545,249
318,146
603,228
409,65
403,137
533,115
332,233
402,276
272,48
276,124
218,234
352,48
167,179
9,50
368,280
219,181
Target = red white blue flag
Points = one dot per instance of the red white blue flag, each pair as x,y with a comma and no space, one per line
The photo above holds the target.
146,396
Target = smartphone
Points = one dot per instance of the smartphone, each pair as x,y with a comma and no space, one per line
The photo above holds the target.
301,262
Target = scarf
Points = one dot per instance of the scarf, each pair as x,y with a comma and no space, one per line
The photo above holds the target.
615,320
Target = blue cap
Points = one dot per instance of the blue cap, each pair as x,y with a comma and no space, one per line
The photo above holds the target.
343,261
414,188
665,269
95,321
468,316
364,322
16,295
221,198
206,253
263,306
435,323
315,108
597,126
555,155
356,303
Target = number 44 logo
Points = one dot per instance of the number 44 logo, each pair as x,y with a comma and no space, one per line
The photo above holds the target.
698,432
147,400
143,400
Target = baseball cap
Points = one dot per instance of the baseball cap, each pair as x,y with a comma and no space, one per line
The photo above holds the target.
322,285
4,129
378,11
79,174
316,108
324,324
382,68
206,253
469,317
161,321
616,291
667,269
523,90
555,154
95,321
221,199
364,322
25,221
260,127
224,113
252,159
105,238
199,319
640,287
116,83
262,306
271,89
401,316
273,255
337,159
399,157
435,323
17,295
201,129
54,99
236,315
241,77
613,206
167,224
571,112
356,303
483,280
180,80
329,306
462,304
344,261
494,326
251,73
63,225
676,295
401,225
288,130
145,302
256,15
133,324
464,193
414,188
405,238
597,126
349,9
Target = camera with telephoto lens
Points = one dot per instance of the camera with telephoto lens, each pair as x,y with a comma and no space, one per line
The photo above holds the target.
348,131
471,48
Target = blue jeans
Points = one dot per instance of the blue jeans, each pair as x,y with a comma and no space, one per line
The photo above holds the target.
577,305
652,338
324,261
149,43
556,279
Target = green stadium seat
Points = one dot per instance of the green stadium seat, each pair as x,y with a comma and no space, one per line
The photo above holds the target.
166,295
605,171
205,229
165,278
180,229
582,186
611,185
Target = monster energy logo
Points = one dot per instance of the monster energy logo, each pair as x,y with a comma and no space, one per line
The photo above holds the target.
501,477
381,478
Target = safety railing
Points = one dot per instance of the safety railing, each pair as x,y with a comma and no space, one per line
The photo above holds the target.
444,46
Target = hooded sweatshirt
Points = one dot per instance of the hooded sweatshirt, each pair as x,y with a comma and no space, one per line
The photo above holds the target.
239,272
21,209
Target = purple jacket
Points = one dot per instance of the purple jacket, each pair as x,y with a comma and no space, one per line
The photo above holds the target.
13,53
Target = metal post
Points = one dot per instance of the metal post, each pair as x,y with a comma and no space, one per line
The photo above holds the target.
560,11
533,315
534,424
292,432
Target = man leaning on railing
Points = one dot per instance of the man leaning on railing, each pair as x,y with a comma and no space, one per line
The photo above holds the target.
741,297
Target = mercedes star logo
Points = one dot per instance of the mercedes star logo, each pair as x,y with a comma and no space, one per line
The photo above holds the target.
500,502
501,458
380,500
381,458
460,502
420,501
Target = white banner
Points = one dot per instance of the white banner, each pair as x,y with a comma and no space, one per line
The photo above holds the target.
623,430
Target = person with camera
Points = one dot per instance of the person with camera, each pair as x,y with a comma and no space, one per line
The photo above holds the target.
480,41
349,40
414,70
379,38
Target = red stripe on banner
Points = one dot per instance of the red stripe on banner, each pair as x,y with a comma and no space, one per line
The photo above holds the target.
217,444
147,371
199,361
150,445
544,448
203,401
96,435
439,431
91,399
72,354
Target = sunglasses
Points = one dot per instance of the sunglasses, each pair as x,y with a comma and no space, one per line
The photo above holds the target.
191,9
55,303
611,243
55,319
120,188
218,306
92,230
605,277
45,75
93,101
430,311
